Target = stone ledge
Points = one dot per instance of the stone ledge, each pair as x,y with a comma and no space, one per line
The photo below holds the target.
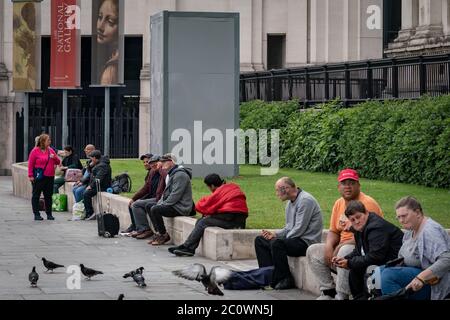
217,244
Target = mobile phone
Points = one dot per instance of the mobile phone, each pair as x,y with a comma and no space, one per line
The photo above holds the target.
394,262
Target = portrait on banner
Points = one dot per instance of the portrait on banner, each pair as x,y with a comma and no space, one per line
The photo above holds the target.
107,42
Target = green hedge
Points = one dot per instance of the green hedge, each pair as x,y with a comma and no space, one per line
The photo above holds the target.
400,141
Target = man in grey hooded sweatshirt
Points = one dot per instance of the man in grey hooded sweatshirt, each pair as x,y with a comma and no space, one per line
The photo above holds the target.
176,199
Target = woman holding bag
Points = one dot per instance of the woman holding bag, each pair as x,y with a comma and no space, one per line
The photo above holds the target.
41,173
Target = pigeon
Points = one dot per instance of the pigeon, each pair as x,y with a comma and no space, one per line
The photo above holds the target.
121,296
139,279
89,273
130,274
216,276
51,265
33,277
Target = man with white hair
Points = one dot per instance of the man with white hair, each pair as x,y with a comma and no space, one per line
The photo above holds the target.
303,228
176,199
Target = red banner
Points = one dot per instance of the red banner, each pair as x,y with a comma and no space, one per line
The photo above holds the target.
65,44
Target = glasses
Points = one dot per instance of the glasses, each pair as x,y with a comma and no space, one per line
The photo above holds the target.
281,189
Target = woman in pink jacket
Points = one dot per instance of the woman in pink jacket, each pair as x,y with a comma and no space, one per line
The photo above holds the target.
41,172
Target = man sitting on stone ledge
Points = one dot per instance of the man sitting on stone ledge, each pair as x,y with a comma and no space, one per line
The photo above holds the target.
377,242
80,186
138,195
147,197
176,199
226,208
340,241
100,170
303,227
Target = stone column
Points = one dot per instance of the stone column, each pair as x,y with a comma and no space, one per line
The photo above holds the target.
410,20
244,7
153,7
144,101
334,30
6,111
446,18
297,33
257,35
3,70
351,41
318,38
429,30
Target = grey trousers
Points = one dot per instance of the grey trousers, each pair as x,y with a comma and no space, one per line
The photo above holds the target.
316,259
140,215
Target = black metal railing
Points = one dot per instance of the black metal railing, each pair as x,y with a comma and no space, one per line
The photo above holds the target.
353,82
86,107
86,125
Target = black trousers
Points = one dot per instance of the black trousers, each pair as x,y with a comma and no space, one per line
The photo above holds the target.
45,185
275,252
222,220
87,200
356,282
157,212
133,223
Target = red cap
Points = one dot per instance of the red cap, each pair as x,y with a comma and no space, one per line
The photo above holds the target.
348,174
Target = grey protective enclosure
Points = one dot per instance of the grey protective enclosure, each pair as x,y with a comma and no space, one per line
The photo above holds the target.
195,89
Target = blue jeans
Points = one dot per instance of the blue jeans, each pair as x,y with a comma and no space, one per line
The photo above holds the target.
396,278
78,192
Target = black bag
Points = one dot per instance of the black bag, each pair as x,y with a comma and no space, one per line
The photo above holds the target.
121,183
250,280
38,173
107,223
42,204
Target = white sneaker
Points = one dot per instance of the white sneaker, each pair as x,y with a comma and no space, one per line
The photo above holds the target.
92,217
341,296
324,297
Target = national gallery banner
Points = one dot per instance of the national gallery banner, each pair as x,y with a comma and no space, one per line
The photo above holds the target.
26,46
65,44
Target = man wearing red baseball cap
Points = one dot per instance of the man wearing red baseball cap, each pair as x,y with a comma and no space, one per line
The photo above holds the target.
340,241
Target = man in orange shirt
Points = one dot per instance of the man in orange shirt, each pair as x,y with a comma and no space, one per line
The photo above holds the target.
340,241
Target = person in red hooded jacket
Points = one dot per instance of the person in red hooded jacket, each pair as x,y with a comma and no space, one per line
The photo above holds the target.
226,208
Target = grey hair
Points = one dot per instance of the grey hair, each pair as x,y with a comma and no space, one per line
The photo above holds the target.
288,181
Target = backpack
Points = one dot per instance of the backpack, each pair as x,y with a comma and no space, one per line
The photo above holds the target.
121,183
250,280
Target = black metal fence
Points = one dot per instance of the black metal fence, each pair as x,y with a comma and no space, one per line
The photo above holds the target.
86,125
403,78
86,107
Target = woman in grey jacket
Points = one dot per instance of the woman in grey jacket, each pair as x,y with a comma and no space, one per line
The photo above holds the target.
426,256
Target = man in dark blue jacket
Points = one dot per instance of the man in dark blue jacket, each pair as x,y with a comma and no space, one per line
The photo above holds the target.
377,241
101,170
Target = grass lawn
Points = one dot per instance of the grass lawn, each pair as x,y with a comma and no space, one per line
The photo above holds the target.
267,211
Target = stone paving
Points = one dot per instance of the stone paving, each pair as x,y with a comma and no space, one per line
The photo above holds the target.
24,242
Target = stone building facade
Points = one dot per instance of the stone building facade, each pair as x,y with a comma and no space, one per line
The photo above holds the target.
425,29
273,33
